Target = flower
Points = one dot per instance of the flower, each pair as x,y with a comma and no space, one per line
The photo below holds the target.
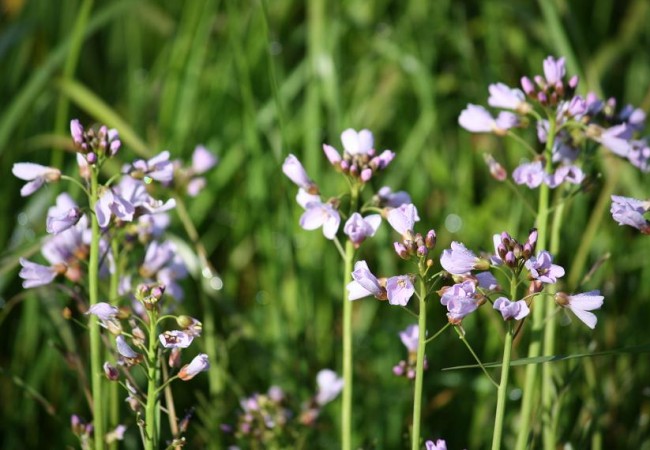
199,364
511,310
477,119
459,260
35,275
359,228
530,174
63,215
438,445
571,174
332,154
460,300
318,215
329,386
364,283
542,269
502,96
103,311
554,70
403,218
410,337
175,339
203,160
112,204
357,143
581,304
124,349
630,211
392,199
36,174
293,169
159,168
496,169
399,290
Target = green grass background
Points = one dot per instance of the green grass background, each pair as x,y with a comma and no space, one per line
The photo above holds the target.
256,80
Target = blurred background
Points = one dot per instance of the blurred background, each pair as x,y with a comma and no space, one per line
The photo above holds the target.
256,80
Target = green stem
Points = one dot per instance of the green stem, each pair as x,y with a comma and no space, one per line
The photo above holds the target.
151,430
538,313
419,367
96,371
113,388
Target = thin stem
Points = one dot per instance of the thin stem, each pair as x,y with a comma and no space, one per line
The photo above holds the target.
113,394
503,390
169,402
447,325
96,371
461,335
151,430
419,367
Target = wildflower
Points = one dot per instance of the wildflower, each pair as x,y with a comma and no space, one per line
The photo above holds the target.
332,154
616,138
103,311
639,155
502,96
477,119
35,275
124,349
460,300
293,169
329,386
459,260
36,175
399,290
570,174
487,281
440,444
630,211
63,215
581,305
112,204
77,133
403,218
359,228
318,215
530,174
111,371
554,70
357,143
199,364
158,168
409,337
511,310
203,160
541,268
392,199
175,339
117,434
364,283
496,170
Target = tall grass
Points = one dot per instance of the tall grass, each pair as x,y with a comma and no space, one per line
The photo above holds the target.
256,80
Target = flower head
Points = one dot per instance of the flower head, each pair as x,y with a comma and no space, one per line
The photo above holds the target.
175,339
318,215
410,337
477,119
630,211
502,96
358,228
293,169
399,290
460,300
511,310
103,311
329,386
357,143
581,305
364,283
158,168
530,174
403,218
199,364
459,260
36,175
542,268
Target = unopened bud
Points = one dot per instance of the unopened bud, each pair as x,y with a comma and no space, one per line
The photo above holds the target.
561,299
111,372
430,239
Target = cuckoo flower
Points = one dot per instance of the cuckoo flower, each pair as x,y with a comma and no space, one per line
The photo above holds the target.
175,339
203,160
124,349
158,168
357,143
318,215
581,305
293,169
403,218
511,310
460,300
364,283
440,444
329,386
399,290
530,174
477,119
35,275
409,337
358,228
459,260
103,311
542,268
502,96
387,198
63,215
199,364
630,211
36,175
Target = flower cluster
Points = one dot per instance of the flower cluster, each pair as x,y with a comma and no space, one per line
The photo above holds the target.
551,103
631,212
409,337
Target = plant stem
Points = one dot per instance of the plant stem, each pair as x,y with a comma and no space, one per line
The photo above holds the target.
503,389
419,367
538,313
113,388
151,430
96,371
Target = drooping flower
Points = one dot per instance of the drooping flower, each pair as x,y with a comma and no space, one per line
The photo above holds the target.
459,260
359,228
318,215
294,170
199,364
511,310
329,386
542,268
630,211
63,215
103,311
124,349
403,218
175,339
36,175
581,305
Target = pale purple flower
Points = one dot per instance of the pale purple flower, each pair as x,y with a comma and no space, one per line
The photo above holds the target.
477,119
458,260
114,143
332,154
63,215
103,311
383,159
554,70
318,215
393,199
530,174
630,211
303,198
113,204
440,444
511,310
581,304
135,192
36,175
124,349
35,275
158,168
364,283
294,170
77,133
570,174
542,268
616,139
639,155
117,434
175,339
357,143
410,337
199,364
195,186
358,228
460,300
399,290
403,218
487,281
502,96
329,386
203,160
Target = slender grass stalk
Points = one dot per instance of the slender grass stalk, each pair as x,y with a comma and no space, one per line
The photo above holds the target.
96,371
346,411
539,312
419,367
151,420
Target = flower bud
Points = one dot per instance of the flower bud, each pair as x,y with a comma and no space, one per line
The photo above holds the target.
430,239
111,372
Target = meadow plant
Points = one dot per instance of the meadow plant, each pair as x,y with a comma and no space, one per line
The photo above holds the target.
125,277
